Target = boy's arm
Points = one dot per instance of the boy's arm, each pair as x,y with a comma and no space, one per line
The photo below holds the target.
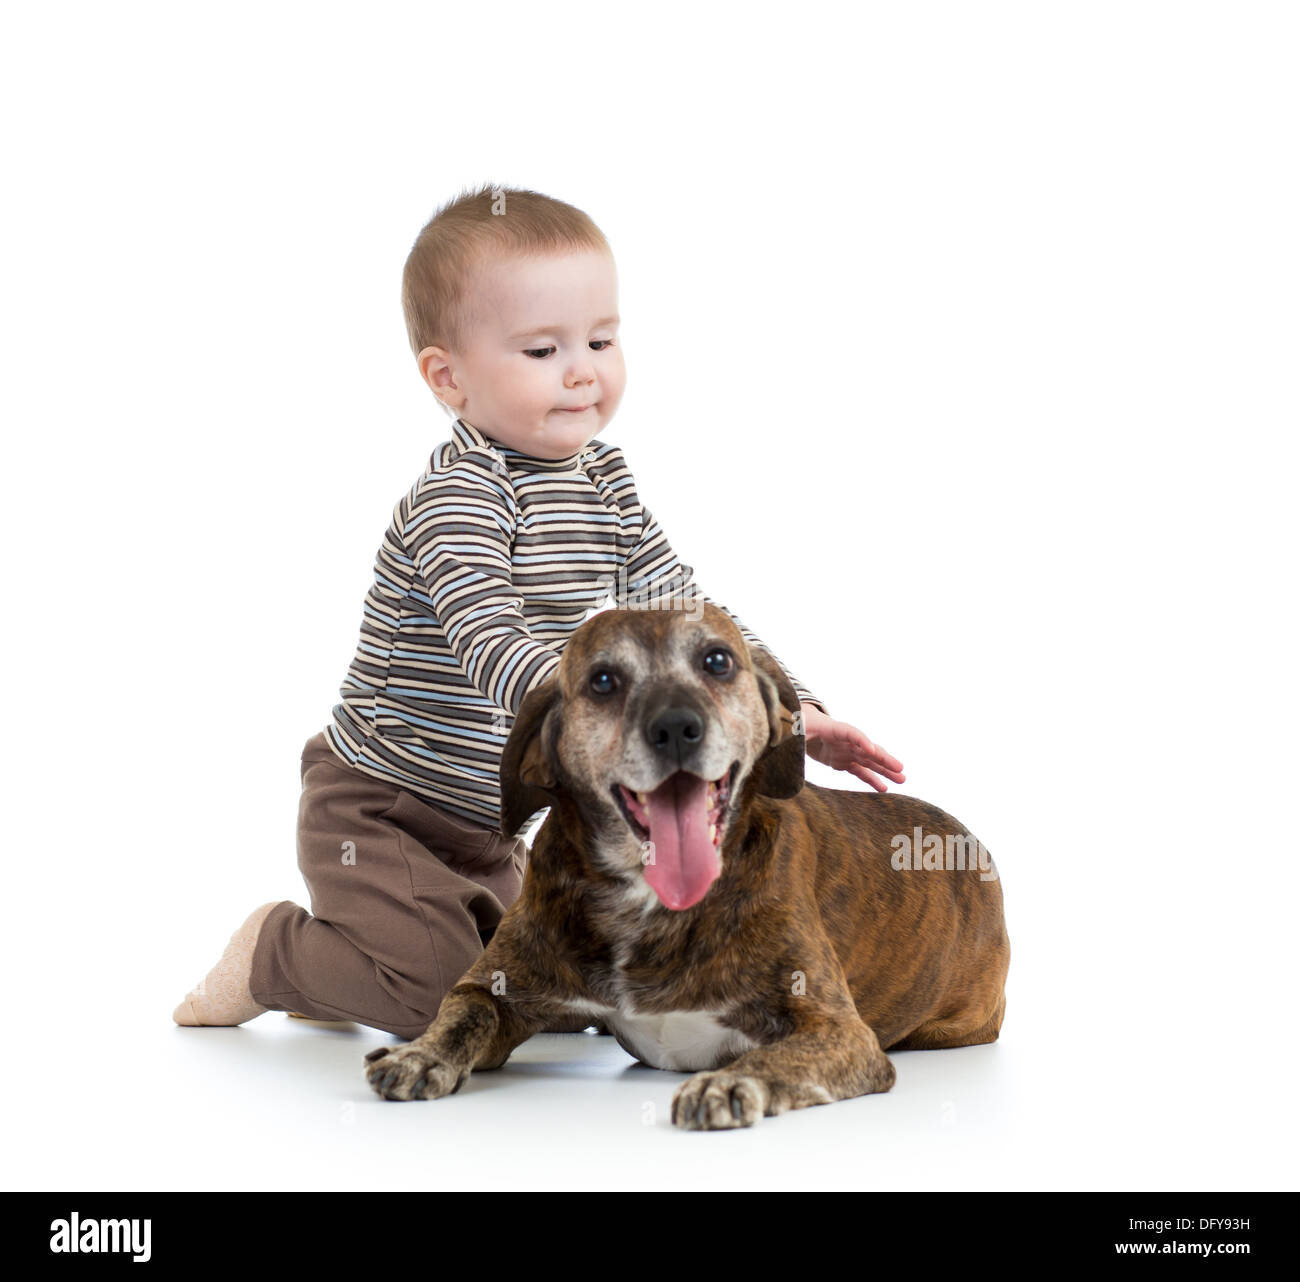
653,561
458,533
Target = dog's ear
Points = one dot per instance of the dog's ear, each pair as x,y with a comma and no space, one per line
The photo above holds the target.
779,771
528,777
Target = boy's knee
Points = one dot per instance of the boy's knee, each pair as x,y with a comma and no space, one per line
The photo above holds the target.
421,994
421,989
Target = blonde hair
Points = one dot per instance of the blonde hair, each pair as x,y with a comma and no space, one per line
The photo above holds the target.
487,223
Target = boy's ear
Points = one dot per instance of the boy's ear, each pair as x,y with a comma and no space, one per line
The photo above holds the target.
528,761
779,771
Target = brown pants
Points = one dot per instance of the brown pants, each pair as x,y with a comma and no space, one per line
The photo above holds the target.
404,896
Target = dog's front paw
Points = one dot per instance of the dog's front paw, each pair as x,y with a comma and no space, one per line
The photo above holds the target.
718,1101
409,1072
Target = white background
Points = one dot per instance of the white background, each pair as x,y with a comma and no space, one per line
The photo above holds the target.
962,366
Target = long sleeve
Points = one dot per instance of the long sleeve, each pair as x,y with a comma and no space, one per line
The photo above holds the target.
458,532
652,566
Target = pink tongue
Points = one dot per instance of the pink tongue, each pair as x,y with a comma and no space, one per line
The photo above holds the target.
684,862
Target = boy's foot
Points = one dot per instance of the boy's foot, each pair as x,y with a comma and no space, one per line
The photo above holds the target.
222,996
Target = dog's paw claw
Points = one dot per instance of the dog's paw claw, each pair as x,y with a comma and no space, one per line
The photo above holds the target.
718,1101
410,1073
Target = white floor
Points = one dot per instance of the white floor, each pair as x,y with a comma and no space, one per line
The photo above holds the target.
137,1103
1150,1041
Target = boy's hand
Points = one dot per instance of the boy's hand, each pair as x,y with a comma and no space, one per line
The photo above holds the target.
844,747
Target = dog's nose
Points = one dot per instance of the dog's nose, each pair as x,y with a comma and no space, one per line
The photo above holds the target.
675,731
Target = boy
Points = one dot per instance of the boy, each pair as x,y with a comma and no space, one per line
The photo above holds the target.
524,521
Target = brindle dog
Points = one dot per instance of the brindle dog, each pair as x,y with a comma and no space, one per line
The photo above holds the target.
716,912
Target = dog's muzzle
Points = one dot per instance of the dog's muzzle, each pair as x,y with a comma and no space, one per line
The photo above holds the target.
681,823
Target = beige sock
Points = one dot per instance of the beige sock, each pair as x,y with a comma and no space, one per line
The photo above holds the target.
222,996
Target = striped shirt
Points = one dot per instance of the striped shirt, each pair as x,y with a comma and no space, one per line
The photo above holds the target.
492,560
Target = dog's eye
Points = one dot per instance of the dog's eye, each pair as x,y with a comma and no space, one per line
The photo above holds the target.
603,681
718,662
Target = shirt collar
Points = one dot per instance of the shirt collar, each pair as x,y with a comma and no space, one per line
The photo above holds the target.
467,437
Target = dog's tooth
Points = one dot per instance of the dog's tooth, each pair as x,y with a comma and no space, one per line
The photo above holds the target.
713,832
640,796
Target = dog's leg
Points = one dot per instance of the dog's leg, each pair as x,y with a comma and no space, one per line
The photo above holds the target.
945,1035
468,1033
480,1021
829,1057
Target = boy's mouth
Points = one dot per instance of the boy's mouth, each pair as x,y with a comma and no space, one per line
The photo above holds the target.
575,409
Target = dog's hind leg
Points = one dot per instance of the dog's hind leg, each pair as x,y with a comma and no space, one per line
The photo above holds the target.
941,1035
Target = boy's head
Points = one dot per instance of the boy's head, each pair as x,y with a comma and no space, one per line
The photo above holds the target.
511,302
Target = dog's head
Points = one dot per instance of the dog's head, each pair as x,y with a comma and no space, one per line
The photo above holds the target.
659,726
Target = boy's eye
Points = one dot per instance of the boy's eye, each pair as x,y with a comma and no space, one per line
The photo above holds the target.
541,353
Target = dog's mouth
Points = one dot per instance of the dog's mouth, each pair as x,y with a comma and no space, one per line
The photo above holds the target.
682,823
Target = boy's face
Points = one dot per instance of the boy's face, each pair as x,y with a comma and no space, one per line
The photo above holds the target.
540,371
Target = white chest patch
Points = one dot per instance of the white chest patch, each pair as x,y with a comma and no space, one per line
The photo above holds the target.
684,1041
